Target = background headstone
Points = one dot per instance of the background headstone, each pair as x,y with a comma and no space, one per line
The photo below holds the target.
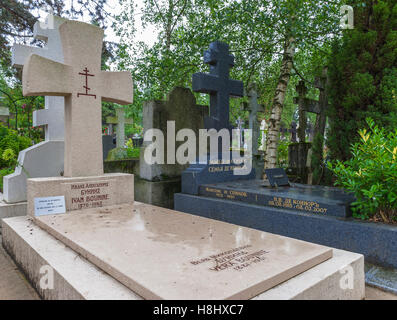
180,107
218,85
44,159
107,145
85,85
220,88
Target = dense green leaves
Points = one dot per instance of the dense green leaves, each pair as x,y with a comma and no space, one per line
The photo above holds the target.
255,31
363,70
371,173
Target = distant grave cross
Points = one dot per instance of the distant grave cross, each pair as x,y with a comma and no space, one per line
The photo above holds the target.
253,107
120,121
309,105
218,85
82,49
52,117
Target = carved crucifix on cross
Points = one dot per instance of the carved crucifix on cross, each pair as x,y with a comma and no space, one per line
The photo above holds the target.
82,48
218,85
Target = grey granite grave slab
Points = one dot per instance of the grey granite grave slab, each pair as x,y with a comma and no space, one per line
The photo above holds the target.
319,200
376,241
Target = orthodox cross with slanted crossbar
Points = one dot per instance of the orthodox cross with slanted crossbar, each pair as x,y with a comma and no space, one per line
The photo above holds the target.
82,49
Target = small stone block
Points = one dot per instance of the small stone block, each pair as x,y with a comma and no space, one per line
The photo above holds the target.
83,192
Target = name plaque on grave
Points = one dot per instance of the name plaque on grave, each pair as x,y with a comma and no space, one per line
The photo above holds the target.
237,259
49,205
85,195
317,200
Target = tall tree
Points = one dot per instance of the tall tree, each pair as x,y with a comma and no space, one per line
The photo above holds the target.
304,26
363,75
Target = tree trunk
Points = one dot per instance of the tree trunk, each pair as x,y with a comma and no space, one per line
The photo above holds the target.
278,103
302,124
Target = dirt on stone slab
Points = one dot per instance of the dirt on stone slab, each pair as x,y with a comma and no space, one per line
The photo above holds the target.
13,285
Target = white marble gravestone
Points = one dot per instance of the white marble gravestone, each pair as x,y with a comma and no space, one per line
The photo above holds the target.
84,85
44,159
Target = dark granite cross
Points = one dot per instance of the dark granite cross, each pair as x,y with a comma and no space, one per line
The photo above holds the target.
218,85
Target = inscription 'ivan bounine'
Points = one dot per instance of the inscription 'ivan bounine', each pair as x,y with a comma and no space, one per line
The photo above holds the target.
287,203
237,259
89,195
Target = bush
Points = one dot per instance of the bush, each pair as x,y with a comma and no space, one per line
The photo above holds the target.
282,153
10,146
117,154
5,172
133,153
371,174
123,154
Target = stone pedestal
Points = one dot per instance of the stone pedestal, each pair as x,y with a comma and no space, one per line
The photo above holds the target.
83,192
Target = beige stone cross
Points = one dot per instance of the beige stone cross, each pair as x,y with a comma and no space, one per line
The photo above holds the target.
83,84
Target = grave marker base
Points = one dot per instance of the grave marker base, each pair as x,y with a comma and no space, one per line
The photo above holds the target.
83,192
165,254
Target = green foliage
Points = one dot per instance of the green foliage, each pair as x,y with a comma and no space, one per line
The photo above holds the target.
255,31
4,172
117,154
363,75
10,146
371,173
282,153
123,153
133,153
